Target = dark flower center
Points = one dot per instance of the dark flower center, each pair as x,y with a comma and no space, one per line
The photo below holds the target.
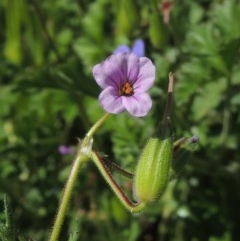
126,89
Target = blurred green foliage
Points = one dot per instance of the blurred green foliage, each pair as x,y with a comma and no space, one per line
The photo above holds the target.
48,97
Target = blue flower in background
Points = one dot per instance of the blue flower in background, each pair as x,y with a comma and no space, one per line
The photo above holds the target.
138,48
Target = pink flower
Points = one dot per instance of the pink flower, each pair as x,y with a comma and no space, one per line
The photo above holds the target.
125,78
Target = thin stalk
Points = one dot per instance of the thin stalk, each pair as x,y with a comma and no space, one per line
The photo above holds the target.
97,125
82,156
114,166
67,193
127,203
169,99
181,155
117,168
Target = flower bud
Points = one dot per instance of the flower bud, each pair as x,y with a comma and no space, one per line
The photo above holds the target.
152,172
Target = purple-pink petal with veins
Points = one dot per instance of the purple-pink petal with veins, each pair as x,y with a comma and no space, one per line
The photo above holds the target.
111,101
107,73
132,61
137,105
146,76
116,70
128,66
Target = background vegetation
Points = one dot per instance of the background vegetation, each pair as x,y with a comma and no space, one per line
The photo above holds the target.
48,98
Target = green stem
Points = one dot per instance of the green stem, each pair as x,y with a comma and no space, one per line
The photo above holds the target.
181,155
127,203
78,162
97,125
117,168
82,156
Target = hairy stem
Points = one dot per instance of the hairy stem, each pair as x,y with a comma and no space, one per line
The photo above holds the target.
116,167
83,154
127,203
97,125
67,193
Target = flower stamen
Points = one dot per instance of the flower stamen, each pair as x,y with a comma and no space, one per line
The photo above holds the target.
126,89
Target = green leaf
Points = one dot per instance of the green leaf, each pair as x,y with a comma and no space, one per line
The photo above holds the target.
230,53
69,77
201,40
209,99
225,15
190,76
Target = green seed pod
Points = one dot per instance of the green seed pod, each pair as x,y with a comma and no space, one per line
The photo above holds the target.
152,172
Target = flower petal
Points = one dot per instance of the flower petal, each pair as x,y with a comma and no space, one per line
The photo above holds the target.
111,101
132,65
107,73
137,105
146,75
116,70
128,65
122,49
138,48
